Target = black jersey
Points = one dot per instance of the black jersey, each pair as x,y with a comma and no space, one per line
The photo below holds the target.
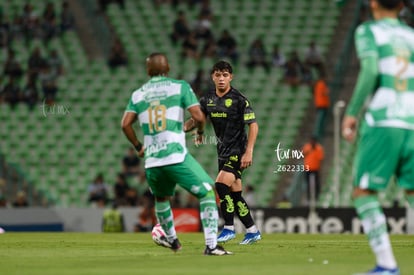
229,115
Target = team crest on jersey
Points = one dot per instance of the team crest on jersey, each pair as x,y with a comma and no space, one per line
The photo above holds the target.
228,102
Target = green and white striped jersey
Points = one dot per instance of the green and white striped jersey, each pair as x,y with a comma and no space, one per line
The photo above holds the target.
392,43
160,104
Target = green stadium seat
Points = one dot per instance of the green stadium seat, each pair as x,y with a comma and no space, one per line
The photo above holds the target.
97,96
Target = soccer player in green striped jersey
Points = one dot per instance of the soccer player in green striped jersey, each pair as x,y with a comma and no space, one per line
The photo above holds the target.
159,106
385,47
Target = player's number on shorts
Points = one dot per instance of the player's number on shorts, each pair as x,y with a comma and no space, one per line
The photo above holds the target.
157,118
400,83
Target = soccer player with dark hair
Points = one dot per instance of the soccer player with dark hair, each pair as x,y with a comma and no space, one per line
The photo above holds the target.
229,112
159,106
385,48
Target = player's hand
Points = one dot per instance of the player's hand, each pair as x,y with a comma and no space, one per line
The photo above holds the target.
349,126
246,160
141,152
189,125
198,139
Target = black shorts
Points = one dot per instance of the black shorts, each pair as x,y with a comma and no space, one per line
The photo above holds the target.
231,164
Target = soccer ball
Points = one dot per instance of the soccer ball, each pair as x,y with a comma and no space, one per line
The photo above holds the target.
158,234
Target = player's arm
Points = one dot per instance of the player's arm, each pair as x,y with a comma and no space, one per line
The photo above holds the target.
367,80
189,125
127,121
199,118
247,157
199,121
249,118
367,51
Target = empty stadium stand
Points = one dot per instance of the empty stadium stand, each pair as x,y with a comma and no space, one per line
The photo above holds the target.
62,152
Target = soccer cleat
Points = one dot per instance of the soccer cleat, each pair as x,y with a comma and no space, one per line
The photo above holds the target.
381,271
217,251
174,245
250,238
226,235
162,241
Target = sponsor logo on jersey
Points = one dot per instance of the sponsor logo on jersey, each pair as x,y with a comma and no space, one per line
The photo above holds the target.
218,114
156,147
211,103
155,95
249,116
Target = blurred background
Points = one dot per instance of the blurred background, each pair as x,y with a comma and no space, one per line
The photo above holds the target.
69,68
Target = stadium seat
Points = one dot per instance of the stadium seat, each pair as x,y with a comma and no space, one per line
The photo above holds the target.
89,137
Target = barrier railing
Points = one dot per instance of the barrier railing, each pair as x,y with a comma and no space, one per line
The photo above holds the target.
295,190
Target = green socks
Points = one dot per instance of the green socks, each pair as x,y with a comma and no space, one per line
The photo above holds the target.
208,215
165,218
375,227
209,218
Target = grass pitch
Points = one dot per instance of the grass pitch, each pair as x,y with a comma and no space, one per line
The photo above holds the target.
87,253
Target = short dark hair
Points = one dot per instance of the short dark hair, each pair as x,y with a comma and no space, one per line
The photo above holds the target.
222,66
157,64
390,4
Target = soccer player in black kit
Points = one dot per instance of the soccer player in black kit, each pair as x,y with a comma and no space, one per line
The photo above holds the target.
229,111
